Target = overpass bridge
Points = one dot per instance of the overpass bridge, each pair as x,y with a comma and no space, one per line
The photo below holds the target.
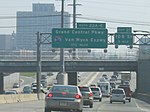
93,61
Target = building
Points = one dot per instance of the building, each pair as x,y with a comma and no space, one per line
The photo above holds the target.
42,18
7,42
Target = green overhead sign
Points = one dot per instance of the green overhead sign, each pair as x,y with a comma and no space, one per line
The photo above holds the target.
123,39
91,25
123,36
79,38
124,29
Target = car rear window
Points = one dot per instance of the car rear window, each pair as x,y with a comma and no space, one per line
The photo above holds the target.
84,88
117,92
64,89
94,89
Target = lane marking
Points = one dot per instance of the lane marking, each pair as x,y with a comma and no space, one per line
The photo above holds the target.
142,109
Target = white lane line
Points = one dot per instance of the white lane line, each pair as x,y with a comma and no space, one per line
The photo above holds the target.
142,109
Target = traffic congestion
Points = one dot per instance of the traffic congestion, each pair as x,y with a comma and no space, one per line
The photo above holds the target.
83,97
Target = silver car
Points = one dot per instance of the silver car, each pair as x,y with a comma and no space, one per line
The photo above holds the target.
118,95
87,95
64,98
97,94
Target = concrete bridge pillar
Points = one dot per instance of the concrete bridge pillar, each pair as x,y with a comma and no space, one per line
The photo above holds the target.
72,78
1,83
143,76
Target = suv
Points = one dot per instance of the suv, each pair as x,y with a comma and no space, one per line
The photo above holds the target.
87,95
97,94
127,90
117,95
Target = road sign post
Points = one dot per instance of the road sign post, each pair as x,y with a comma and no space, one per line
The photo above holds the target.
79,38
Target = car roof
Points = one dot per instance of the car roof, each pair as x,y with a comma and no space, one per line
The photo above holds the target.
65,85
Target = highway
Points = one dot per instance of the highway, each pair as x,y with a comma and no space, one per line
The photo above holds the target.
104,106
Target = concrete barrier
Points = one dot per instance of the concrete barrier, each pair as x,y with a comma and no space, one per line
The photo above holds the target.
144,97
8,98
2,99
16,98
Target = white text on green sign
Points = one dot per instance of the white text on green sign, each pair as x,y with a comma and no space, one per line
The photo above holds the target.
79,38
91,25
124,29
123,39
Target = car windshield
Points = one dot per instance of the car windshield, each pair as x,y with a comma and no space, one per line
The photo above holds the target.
64,89
84,88
117,92
94,89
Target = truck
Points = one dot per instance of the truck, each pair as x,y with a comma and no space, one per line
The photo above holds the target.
125,76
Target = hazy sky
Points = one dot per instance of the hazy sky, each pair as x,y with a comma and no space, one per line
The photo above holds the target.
114,13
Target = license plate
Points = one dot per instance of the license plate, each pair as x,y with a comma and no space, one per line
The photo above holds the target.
63,104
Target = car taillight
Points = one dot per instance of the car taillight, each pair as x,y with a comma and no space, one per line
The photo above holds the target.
50,95
63,93
91,94
100,93
77,96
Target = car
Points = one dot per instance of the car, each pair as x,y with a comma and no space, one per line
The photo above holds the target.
117,95
87,95
97,94
64,98
27,89
112,80
34,87
44,83
93,85
16,85
113,84
102,79
114,76
127,90
126,83
10,92
105,76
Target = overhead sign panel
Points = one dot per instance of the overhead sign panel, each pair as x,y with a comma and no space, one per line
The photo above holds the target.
124,29
79,38
123,39
123,36
91,25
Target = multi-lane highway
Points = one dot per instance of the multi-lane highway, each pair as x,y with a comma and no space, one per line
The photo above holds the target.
104,106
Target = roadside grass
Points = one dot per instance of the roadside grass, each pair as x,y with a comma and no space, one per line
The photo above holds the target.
28,74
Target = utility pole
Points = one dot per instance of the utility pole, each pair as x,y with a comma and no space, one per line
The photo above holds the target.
62,69
38,65
74,25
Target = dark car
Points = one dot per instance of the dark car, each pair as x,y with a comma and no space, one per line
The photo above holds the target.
127,90
64,98
27,89
87,95
16,85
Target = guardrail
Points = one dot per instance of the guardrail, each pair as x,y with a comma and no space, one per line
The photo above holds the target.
81,55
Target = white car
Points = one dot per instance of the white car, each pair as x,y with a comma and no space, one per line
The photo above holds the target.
118,95
97,94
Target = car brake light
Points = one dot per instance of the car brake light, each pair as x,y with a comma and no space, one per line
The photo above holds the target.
50,95
77,96
63,93
99,93
90,94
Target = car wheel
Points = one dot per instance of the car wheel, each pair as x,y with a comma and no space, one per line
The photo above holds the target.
124,102
47,110
129,100
91,106
110,101
100,99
